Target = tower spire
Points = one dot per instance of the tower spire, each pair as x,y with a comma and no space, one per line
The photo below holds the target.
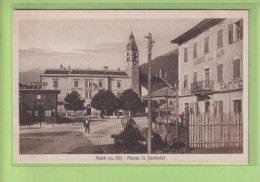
131,45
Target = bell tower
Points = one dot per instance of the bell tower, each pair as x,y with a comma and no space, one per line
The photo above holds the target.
132,63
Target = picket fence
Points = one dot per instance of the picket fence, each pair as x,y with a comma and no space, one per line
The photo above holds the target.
209,131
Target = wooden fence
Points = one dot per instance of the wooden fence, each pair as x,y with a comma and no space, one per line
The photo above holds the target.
209,131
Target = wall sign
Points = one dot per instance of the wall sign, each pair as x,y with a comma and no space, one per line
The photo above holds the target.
234,84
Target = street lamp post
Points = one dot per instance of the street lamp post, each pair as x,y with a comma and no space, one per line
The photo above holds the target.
149,47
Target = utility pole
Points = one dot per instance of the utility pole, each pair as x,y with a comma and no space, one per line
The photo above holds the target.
177,107
149,47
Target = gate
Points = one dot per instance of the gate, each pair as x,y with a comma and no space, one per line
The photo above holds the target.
209,131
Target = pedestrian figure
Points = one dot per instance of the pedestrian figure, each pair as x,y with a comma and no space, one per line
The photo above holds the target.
87,125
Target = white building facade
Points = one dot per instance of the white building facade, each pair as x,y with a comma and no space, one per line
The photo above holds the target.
87,82
211,67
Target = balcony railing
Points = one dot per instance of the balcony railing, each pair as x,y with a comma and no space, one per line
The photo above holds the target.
205,86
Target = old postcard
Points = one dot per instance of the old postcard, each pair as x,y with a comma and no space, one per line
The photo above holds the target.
130,86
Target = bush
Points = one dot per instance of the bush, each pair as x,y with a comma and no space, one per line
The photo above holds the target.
62,120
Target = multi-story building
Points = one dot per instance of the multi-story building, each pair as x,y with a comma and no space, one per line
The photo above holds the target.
88,81
210,66
37,105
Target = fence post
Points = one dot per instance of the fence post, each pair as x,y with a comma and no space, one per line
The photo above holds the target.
187,132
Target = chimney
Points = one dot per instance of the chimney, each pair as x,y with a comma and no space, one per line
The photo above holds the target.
118,69
61,66
105,68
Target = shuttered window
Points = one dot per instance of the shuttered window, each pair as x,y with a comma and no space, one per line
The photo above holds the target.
185,54
220,72
220,38
237,106
230,33
239,29
194,77
195,50
236,67
206,45
185,81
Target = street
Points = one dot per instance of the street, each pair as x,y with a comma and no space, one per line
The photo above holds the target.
71,138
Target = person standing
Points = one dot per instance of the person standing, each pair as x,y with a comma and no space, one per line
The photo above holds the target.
87,125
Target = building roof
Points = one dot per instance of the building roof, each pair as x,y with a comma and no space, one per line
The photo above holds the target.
116,73
38,91
24,86
163,92
197,30
87,72
131,45
56,71
157,82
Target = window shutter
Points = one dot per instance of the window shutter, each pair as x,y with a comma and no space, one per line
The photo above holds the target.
230,33
241,29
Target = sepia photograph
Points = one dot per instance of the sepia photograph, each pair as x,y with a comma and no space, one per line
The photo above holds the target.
130,86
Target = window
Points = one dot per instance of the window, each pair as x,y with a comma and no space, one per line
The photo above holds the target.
195,50
118,84
206,45
29,112
239,29
170,103
185,54
48,113
128,56
118,94
55,84
207,107
237,106
230,33
88,83
100,83
185,85
207,77
220,38
76,83
196,105
220,72
88,94
39,97
218,110
236,67
195,77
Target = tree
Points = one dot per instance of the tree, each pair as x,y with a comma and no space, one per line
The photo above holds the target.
130,101
74,102
105,101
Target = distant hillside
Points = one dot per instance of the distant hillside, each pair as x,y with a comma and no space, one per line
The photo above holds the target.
167,63
30,76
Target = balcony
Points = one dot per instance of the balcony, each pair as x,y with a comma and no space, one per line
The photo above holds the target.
202,87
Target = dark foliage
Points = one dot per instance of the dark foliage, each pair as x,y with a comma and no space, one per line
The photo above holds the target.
74,101
104,100
129,100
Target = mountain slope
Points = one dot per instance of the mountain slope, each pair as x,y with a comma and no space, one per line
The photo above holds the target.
30,76
167,63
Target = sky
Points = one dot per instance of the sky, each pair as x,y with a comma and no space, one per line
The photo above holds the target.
83,44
